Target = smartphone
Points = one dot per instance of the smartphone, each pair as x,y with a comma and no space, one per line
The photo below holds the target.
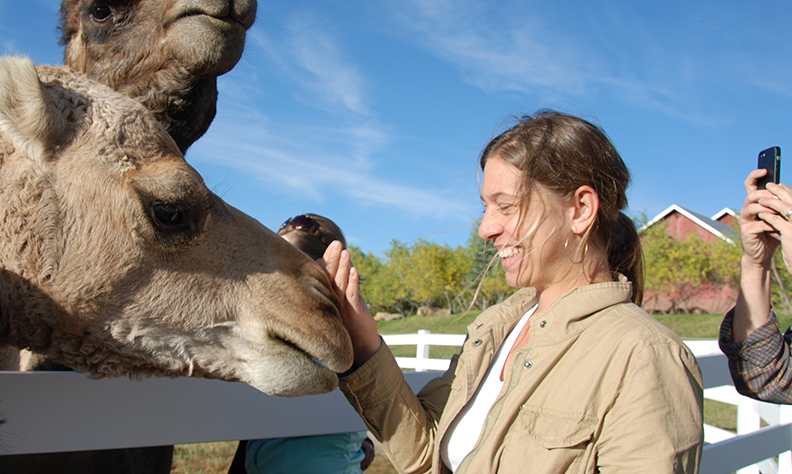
770,160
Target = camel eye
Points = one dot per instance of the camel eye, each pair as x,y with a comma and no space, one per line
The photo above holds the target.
168,214
101,12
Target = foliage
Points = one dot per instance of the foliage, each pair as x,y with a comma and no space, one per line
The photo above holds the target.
428,274
677,268
487,278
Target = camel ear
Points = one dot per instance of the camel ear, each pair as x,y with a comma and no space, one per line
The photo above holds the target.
28,116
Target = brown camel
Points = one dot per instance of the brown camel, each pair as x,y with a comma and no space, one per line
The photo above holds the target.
167,54
116,259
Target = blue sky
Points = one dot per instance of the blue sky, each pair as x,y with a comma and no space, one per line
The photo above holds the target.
373,112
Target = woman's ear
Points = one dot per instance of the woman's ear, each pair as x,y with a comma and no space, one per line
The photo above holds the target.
584,206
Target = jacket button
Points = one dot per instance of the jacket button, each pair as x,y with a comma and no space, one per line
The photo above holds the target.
543,324
527,364
477,342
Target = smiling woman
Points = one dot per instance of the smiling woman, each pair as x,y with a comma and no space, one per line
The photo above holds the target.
568,374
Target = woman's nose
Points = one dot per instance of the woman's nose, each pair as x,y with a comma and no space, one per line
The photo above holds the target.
487,227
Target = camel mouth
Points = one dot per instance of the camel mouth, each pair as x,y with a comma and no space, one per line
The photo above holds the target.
222,23
227,16
286,370
224,19
334,365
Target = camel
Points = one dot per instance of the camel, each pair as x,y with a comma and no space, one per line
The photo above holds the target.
167,54
115,258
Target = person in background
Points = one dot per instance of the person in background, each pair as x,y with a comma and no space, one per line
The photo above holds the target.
341,453
750,336
567,375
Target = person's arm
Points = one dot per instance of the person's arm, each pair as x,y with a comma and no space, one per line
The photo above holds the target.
376,388
759,357
655,422
404,422
763,226
760,364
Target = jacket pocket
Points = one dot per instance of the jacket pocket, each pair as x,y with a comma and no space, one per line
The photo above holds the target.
554,429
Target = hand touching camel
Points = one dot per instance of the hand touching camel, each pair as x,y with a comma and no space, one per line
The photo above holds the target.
356,317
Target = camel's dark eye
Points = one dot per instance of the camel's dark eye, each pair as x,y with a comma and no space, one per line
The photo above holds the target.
168,214
101,12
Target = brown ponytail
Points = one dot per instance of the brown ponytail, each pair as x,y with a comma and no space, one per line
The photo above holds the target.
625,255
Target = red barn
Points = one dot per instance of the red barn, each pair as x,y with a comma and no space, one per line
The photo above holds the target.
679,223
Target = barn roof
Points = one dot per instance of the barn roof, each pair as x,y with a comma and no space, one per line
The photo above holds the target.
719,229
725,211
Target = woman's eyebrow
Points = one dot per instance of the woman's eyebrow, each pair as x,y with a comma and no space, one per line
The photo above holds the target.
497,195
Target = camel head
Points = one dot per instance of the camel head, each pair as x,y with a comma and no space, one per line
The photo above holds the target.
116,259
167,54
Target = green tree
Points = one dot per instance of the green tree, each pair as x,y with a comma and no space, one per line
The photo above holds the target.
678,268
429,274
378,284
486,280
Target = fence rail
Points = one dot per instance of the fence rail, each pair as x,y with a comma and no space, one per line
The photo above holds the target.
66,411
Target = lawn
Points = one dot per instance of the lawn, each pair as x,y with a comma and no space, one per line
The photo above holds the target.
214,458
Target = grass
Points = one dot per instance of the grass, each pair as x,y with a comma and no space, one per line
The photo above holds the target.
215,458
203,458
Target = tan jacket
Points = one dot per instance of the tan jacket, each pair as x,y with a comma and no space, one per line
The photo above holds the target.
600,387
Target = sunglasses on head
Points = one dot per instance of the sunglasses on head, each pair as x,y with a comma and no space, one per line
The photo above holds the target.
305,223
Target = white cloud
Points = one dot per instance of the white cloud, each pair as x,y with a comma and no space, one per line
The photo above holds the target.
311,57
514,46
288,164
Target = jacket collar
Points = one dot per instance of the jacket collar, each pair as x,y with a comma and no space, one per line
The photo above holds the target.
569,314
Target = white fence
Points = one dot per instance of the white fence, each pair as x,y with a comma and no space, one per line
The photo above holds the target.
65,411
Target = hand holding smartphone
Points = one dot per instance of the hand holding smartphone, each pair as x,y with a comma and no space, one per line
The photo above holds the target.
770,160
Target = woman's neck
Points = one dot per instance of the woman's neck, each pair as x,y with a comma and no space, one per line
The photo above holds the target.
593,270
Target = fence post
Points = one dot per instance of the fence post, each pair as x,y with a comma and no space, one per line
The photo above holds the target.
422,349
785,458
748,421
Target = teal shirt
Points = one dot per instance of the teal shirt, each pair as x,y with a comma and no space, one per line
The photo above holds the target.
331,454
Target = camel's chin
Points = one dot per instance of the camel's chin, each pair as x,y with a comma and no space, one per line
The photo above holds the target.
215,45
298,377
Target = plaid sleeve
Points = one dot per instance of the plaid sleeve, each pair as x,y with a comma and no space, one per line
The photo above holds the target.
759,365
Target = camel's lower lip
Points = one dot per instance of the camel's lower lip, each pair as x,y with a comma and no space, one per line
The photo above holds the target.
321,364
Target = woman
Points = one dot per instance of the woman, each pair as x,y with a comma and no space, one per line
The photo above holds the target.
568,374
759,356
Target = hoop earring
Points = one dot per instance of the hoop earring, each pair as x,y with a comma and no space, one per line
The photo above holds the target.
566,253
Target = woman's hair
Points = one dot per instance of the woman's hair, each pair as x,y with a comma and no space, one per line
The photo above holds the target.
563,153
313,242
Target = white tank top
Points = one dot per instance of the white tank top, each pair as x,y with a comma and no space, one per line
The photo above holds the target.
465,430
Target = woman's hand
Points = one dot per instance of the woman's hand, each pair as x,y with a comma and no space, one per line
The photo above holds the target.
760,211
781,204
357,319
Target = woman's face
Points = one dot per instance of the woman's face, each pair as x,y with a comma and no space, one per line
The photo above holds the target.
531,249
